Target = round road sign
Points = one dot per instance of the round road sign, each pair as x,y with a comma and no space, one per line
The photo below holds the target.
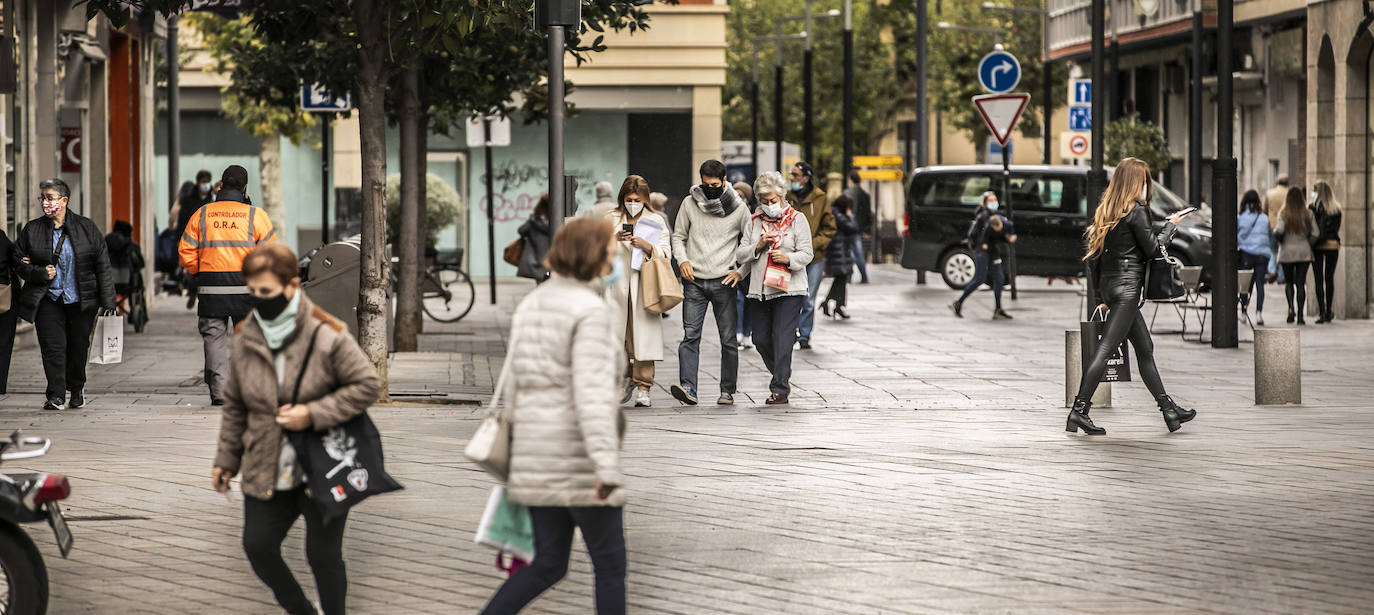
1078,145
999,72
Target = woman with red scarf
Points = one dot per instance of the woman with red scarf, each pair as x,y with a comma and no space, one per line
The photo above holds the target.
775,250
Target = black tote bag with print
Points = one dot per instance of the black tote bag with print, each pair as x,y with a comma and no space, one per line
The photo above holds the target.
1118,363
343,464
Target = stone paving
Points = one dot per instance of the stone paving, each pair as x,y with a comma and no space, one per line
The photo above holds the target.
922,468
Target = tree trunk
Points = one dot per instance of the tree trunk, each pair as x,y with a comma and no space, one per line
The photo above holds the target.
371,89
272,199
412,178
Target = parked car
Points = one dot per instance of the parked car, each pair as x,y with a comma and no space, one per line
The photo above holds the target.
1049,207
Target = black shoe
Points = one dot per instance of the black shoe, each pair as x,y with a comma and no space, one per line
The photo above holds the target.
776,399
804,343
78,399
1174,415
958,308
825,309
190,301
216,402
842,314
1078,419
1001,314
55,403
1291,316
1301,320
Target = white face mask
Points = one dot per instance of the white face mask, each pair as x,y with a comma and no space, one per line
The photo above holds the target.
1312,196
772,210
634,208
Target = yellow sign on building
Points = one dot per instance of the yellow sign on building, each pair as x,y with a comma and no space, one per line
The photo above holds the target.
878,161
881,175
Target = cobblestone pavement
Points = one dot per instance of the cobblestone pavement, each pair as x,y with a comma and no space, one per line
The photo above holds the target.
923,468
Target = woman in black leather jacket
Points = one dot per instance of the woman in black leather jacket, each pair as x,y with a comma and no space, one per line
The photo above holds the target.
1119,246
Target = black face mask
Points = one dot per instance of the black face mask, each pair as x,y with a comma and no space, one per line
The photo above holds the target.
712,192
271,307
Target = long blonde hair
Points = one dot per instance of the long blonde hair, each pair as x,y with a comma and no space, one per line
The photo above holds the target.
1326,198
1131,175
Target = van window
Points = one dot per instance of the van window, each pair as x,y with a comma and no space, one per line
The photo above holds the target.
949,190
1057,194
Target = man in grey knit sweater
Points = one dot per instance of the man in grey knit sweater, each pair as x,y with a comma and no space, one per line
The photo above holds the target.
709,226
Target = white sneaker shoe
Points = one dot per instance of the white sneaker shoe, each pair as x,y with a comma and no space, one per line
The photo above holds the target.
746,341
642,399
629,393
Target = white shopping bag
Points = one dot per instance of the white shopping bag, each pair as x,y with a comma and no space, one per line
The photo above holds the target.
107,343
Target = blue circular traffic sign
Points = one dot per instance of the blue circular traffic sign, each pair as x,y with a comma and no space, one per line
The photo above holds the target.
999,72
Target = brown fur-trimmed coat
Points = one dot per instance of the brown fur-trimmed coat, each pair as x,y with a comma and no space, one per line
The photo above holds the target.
340,383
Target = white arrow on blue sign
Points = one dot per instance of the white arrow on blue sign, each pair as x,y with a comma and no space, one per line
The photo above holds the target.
1080,91
999,72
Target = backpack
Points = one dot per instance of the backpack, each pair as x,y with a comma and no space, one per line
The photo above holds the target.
165,258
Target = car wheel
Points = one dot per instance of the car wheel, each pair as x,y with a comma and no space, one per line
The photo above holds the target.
956,267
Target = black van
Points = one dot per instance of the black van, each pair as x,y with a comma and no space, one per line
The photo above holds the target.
1049,207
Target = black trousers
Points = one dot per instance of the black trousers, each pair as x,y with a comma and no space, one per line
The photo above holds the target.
603,529
838,290
1295,282
1124,321
775,331
8,322
1324,272
64,340
265,524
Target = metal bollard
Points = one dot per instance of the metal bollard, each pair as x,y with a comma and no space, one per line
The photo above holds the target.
1278,366
1073,373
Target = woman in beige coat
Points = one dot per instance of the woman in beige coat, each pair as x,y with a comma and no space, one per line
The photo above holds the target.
638,329
339,383
566,426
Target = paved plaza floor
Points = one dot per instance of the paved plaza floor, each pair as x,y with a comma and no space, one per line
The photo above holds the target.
923,467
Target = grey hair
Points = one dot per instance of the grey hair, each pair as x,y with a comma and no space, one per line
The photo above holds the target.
55,184
770,182
604,190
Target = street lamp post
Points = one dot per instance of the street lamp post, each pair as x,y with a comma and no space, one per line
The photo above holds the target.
1224,283
808,107
847,105
777,100
1097,176
1044,65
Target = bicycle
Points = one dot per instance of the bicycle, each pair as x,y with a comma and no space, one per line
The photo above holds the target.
447,294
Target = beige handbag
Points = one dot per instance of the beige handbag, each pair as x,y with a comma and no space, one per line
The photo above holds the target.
658,287
489,447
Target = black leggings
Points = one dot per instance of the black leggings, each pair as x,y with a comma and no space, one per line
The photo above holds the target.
265,524
1295,276
603,530
1124,321
1324,268
838,285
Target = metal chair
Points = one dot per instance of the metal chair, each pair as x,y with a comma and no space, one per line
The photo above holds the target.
1191,277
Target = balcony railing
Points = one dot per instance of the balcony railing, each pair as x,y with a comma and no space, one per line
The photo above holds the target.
1070,25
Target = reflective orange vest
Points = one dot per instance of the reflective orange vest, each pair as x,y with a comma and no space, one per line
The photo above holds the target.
216,241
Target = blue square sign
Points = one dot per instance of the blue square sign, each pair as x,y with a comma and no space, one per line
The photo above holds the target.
1081,118
1081,91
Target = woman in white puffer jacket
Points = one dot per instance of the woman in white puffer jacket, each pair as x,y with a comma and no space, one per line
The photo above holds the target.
567,423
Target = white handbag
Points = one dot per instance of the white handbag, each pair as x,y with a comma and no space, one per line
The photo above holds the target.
489,447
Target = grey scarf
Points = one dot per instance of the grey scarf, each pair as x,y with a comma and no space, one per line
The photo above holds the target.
721,207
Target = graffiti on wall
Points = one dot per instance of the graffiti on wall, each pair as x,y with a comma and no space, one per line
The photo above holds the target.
519,184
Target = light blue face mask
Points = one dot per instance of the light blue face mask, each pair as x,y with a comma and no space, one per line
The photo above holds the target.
617,272
992,206
796,186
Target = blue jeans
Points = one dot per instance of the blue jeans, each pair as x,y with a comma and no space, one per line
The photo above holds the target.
1260,263
603,529
982,263
697,295
856,250
814,272
743,326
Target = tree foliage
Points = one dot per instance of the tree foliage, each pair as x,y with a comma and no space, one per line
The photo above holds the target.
442,205
1132,137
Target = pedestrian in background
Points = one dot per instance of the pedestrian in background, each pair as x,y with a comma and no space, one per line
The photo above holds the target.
810,201
839,261
863,218
744,328
1253,238
710,222
1295,232
988,235
639,330
1120,244
566,428
1273,204
9,316
288,346
534,233
1326,212
65,266
778,238
216,241
605,202
188,203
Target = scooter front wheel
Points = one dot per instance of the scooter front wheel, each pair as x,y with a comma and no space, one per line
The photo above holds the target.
23,577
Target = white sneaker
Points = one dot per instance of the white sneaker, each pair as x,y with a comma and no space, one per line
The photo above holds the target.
629,393
747,341
642,399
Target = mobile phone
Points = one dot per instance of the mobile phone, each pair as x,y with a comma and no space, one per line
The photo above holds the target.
1185,212
628,228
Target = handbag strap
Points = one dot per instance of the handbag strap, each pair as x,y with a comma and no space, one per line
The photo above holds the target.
57,250
505,369
305,362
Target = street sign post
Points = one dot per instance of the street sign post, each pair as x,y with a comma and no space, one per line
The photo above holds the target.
488,132
316,99
881,175
1081,118
1000,113
1080,91
878,169
999,72
1074,145
1080,105
877,161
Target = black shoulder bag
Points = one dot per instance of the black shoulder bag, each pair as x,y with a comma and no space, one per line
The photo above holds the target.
343,466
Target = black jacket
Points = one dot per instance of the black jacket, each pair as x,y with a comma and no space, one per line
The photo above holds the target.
94,279
1328,224
535,233
863,208
1127,249
838,259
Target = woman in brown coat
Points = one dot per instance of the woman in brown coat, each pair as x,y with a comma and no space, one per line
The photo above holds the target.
339,383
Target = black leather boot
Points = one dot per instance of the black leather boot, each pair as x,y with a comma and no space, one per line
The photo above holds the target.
1078,418
1174,415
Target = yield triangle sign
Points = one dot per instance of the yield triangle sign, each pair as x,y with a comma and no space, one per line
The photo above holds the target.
1000,112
